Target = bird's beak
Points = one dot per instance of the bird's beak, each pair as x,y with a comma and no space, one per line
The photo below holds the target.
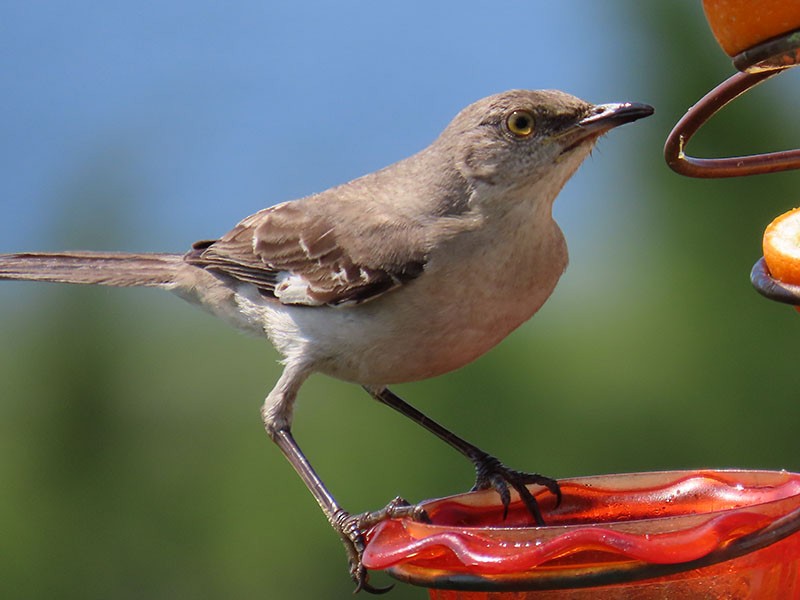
600,119
607,116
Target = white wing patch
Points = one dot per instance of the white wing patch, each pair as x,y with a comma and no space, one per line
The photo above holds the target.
291,288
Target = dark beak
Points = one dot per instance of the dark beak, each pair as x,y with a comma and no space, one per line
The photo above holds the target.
607,116
602,118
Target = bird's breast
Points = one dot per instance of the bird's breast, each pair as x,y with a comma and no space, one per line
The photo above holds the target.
473,293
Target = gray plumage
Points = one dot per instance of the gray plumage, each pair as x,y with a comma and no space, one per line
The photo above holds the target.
403,274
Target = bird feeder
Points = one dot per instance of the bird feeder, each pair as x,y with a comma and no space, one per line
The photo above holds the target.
763,38
685,534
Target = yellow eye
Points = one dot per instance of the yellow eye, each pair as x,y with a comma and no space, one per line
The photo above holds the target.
520,123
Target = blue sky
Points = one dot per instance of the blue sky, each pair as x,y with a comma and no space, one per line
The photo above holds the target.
149,125
180,118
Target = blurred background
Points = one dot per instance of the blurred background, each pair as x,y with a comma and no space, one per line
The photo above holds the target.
132,457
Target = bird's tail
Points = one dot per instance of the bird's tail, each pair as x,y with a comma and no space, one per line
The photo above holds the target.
102,268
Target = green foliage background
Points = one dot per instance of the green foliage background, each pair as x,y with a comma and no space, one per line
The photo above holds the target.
132,460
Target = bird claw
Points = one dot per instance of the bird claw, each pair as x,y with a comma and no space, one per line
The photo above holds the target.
361,578
491,473
352,530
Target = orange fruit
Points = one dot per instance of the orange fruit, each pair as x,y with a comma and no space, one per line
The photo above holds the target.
782,248
742,24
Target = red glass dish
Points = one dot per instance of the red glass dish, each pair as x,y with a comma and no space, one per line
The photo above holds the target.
625,531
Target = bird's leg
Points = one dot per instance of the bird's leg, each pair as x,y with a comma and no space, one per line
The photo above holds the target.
276,414
489,472
351,528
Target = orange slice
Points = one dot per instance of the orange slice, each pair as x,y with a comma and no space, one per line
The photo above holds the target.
741,24
782,248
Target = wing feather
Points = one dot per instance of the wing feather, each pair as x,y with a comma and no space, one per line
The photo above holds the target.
296,254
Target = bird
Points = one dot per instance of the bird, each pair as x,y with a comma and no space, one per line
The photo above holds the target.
400,275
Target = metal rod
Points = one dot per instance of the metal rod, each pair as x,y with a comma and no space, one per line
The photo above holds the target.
700,113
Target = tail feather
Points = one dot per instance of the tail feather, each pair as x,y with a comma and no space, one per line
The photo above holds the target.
102,268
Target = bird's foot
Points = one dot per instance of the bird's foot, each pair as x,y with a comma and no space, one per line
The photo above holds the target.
491,473
352,530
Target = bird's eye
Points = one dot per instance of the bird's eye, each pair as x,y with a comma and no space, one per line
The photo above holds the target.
520,123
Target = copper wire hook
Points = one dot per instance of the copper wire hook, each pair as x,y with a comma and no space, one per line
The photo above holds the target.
757,64
697,115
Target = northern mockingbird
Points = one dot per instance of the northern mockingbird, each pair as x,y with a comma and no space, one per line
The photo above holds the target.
400,275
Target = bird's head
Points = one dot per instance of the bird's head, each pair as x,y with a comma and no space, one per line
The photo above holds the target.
523,140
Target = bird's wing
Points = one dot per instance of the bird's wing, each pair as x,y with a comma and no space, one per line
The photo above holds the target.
296,254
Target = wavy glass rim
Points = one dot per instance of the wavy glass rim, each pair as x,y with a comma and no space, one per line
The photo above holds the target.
755,509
